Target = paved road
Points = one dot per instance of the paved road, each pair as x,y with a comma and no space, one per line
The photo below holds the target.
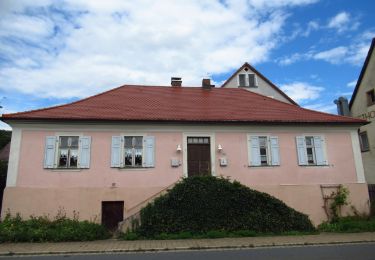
331,252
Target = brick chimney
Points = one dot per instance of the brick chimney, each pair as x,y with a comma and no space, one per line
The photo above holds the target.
176,82
206,84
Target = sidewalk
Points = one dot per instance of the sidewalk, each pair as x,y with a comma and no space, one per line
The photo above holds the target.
110,246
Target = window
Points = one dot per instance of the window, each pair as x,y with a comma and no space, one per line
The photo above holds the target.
252,81
242,80
133,151
311,150
370,97
68,152
363,140
264,151
247,80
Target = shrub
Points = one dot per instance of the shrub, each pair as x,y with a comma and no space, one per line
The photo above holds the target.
41,229
349,224
204,204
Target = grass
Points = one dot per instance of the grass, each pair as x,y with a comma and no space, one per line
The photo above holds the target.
210,235
349,225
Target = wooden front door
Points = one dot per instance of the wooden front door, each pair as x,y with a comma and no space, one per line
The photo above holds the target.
198,156
112,214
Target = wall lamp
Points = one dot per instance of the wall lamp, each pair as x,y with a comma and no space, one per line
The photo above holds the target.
178,148
219,148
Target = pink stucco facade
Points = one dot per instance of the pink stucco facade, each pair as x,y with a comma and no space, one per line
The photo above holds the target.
39,191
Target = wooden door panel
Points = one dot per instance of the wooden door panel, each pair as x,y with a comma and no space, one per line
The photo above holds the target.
112,214
199,159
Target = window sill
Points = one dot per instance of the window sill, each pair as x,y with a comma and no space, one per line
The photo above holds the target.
263,166
64,170
133,168
364,151
247,87
308,166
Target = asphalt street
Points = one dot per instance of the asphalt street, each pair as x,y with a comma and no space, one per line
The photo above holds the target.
331,252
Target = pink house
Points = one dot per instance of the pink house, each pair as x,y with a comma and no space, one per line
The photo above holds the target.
107,155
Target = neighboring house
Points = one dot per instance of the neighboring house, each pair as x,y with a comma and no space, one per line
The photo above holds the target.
106,155
247,77
362,105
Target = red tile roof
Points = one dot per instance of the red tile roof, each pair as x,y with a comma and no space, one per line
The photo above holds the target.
181,104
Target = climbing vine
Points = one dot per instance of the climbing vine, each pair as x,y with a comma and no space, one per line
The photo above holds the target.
339,199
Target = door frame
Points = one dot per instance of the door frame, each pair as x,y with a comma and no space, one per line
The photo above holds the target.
211,135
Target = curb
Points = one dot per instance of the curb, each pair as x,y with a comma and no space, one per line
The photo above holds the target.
164,249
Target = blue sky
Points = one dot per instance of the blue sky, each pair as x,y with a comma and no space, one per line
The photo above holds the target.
54,52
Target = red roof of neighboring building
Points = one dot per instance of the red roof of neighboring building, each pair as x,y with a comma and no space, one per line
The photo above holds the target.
181,104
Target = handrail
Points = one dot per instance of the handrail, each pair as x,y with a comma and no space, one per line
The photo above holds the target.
152,196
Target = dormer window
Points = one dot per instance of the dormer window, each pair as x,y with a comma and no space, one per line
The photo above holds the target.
247,80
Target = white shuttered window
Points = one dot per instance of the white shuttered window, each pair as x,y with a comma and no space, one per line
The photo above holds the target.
311,150
263,150
67,152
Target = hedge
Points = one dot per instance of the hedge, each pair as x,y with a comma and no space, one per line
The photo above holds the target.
203,204
41,229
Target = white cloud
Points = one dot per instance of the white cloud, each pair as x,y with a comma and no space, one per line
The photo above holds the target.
89,46
352,84
354,53
334,55
342,22
302,91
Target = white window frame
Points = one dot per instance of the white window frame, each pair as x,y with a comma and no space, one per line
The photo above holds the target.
247,80
143,151
364,149
269,153
57,149
324,148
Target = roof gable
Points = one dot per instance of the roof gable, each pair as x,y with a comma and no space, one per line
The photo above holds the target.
268,83
361,75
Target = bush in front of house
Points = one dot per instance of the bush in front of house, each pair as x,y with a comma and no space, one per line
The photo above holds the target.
200,205
349,224
42,229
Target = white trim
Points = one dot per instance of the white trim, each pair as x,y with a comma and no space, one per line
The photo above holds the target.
185,135
14,157
357,157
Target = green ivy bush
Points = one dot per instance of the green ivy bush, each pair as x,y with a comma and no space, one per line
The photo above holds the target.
209,204
42,229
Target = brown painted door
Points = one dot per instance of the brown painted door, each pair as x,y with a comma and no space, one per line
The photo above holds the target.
112,214
199,159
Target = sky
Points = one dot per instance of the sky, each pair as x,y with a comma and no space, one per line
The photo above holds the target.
55,52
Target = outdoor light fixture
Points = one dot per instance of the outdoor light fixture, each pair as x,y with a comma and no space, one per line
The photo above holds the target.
179,148
219,148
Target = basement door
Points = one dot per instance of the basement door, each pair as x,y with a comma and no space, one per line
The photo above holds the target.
198,156
112,214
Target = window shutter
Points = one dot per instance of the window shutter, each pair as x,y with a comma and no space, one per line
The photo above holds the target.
254,151
242,80
252,82
319,152
275,155
116,159
301,150
49,152
149,148
84,151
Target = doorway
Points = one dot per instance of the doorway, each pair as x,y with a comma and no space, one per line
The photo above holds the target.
112,214
198,156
